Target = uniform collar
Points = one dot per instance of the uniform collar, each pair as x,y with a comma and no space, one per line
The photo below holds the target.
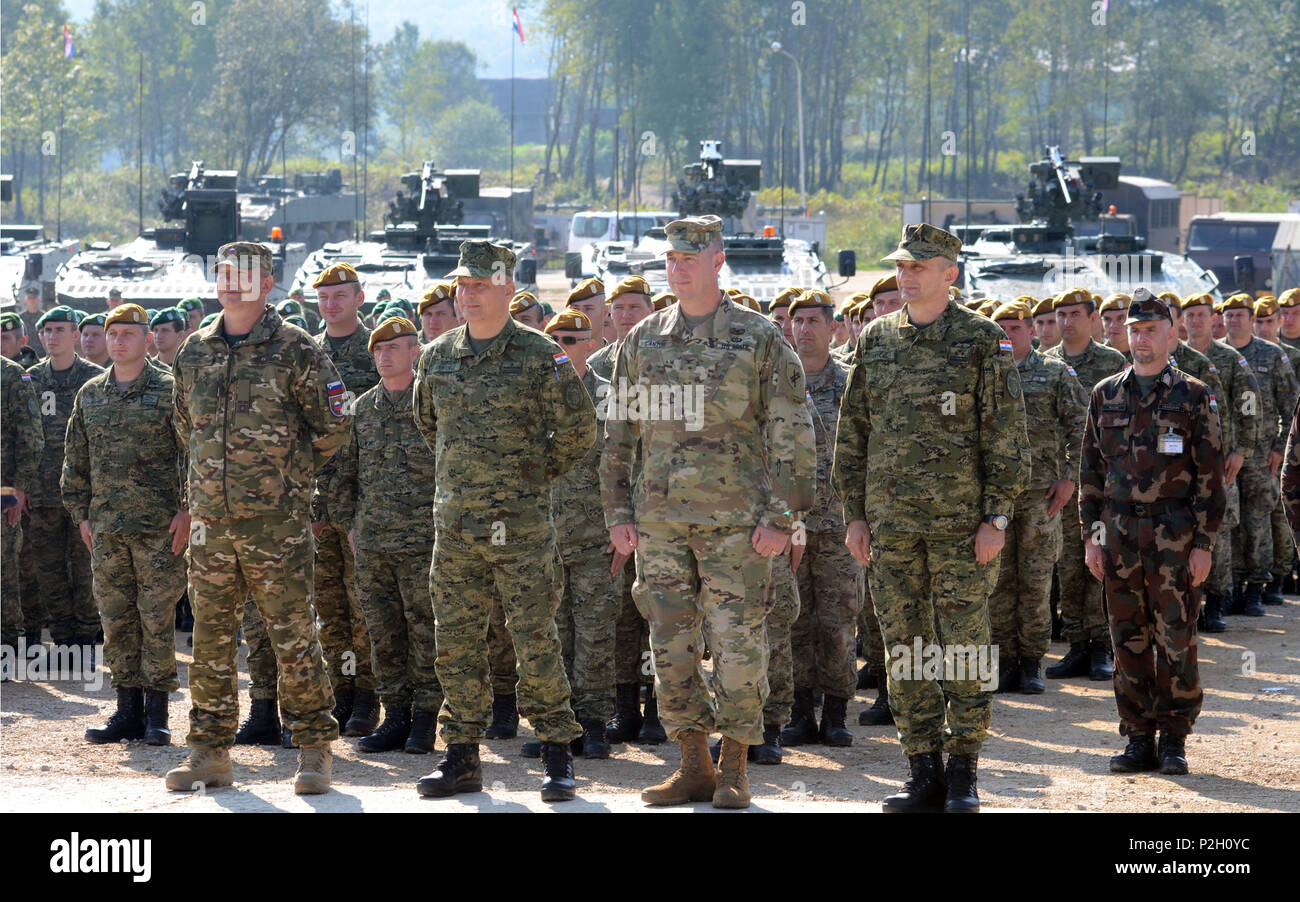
460,346
674,322
936,330
263,329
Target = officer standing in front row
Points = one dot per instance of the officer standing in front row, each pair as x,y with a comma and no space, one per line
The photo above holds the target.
1150,504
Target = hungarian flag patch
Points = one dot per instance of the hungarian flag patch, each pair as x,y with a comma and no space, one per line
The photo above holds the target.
335,391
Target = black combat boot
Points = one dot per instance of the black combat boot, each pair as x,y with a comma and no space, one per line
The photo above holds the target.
802,728
1212,614
770,751
1074,664
392,733
505,718
626,722
344,697
878,714
365,714
1008,674
1139,755
286,738
1031,676
1173,754
127,722
262,726
421,738
961,797
184,615
1101,660
594,743
558,784
866,678
155,718
1273,592
1232,603
652,731
924,791
832,731
1252,604
531,749
458,771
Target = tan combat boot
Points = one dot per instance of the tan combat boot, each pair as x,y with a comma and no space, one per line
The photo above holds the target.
205,769
694,780
733,782
315,766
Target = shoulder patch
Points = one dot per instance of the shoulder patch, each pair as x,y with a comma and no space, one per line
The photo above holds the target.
1069,369
335,392
1213,368
1241,361
1004,347
573,393
27,377
561,358
1214,404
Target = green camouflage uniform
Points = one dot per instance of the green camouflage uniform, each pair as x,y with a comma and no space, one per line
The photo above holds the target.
502,666
382,492
1020,614
697,494
123,471
931,441
782,603
258,420
1083,618
60,557
1156,504
503,424
23,439
1291,473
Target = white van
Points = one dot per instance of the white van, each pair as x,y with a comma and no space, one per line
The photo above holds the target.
586,228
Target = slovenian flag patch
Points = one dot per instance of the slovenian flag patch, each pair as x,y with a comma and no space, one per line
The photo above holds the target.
1004,347
335,391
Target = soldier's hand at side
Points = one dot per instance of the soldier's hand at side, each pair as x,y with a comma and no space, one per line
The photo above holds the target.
769,542
988,542
317,528
618,561
352,541
1058,495
85,533
1092,558
1232,466
1274,461
796,554
858,541
1198,563
15,513
180,531
623,538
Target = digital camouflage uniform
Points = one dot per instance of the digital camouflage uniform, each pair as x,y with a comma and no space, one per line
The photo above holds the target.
1083,618
259,419
123,471
1157,500
697,494
1020,614
503,424
60,558
1291,473
783,611
931,441
383,492
20,455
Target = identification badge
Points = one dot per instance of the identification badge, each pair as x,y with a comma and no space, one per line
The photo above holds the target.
1170,443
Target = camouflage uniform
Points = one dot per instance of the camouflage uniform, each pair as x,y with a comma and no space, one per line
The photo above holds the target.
503,424
697,494
1291,473
1082,615
258,419
383,493
932,440
60,557
502,666
1020,614
23,439
33,334
783,607
1156,507
123,471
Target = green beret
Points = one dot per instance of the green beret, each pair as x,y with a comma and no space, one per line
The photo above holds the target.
288,307
297,321
97,319
190,304
209,319
10,322
168,315
59,314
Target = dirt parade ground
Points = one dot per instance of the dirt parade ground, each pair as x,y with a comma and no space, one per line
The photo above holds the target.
1045,753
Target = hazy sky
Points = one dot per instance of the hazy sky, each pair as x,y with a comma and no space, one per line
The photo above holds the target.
485,25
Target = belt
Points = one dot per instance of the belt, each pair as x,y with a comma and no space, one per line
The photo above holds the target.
1147,509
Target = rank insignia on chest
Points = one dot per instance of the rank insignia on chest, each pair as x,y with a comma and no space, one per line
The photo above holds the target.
512,369
1004,347
335,391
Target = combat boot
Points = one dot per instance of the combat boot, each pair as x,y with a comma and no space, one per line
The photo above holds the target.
1139,755
205,769
1273,592
878,714
832,731
802,728
652,731
1173,754
594,743
262,726
1101,660
505,718
1031,676
693,781
1008,675
559,784
315,767
392,733
866,678
732,790
532,748
343,700
155,718
1211,614
421,738
458,771
1252,604
365,714
127,722
184,615
770,751
924,791
626,722
961,797
1074,664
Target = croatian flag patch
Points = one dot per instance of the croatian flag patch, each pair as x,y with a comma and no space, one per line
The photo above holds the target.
561,358
335,391
27,377
1004,347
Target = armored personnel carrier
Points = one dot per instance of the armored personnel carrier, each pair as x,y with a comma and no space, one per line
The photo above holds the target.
312,210
27,256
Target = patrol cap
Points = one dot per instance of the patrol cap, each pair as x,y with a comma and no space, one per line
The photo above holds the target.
190,304
392,327
482,259
244,255
1012,310
60,314
568,320
336,274
1040,308
439,292
1289,298
95,320
127,313
31,290
924,242
523,301
784,298
168,315
1146,307
115,292
812,299
1198,300
1074,296
1238,301
663,299
692,234
10,322
1266,306
629,285
587,288
888,283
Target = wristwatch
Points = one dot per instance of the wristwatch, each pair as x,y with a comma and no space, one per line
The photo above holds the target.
998,521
